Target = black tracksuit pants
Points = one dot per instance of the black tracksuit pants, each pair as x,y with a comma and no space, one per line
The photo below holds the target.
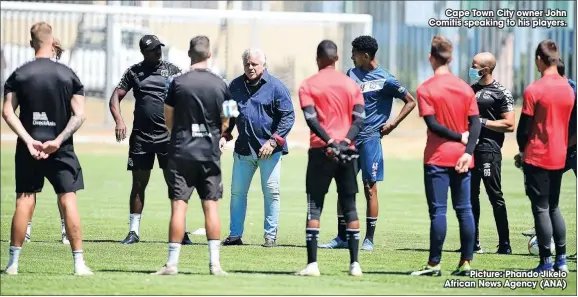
488,168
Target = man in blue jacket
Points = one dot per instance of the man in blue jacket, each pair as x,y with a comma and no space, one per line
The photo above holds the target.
266,117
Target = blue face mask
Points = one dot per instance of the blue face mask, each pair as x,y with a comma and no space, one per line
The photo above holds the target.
474,74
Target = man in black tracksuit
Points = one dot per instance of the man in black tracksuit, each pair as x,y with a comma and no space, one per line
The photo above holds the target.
496,106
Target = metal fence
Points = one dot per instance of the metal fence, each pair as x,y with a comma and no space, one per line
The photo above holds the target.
98,35
404,36
101,41
402,28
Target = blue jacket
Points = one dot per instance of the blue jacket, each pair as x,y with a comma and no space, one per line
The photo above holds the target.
266,114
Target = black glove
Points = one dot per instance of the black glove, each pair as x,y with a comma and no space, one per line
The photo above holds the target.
341,152
518,160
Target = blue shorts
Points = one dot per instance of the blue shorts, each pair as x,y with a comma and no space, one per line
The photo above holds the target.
371,160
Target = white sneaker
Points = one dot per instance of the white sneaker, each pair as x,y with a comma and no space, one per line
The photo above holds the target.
217,270
27,238
355,269
11,270
65,239
312,269
82,271
167,270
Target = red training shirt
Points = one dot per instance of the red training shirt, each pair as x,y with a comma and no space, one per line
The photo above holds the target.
333,94
549,100
451,101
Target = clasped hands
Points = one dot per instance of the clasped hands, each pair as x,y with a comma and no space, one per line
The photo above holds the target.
464,162
41,150
341,152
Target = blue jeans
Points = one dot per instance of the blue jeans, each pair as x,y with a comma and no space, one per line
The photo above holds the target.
244,168
437,180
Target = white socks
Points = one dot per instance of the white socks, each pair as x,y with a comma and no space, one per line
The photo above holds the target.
135,222
78,258
62,226
174,251
214,246
14,256
28,230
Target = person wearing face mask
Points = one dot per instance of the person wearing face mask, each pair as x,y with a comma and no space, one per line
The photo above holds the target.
496,107
149,137
542,138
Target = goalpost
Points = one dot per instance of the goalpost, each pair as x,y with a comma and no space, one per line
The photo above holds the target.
101,41
288,38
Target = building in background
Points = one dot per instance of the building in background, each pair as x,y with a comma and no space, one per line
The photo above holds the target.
400,27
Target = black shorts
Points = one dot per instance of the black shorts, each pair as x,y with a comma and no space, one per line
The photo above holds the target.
321,170
183,177
141,153
62,170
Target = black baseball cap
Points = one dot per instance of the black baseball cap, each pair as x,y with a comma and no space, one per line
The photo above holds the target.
149,42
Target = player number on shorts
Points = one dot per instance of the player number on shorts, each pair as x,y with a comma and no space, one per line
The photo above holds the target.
374,167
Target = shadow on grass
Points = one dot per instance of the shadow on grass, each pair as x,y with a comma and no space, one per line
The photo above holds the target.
456,251
260,245
262,272
101,240
388,272
42,241
144,271
34,274
142,241
423,250
88,240
157,242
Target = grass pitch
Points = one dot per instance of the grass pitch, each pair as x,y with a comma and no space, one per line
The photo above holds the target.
402,238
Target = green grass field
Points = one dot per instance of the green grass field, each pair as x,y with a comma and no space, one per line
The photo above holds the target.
402,238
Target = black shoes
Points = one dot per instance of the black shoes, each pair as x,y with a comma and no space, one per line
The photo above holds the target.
131,238
233,241
504,249
186,239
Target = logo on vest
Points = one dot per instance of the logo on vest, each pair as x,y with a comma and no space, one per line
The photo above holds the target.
372,85
200,130
40,119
